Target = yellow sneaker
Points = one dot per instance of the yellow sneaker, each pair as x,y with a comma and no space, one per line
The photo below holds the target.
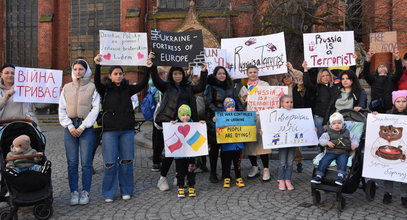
240,183
181,193
191,192
226,183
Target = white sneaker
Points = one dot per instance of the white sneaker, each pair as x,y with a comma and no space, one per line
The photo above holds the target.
109,200
163,184
84,199
74,198
126,197
254,171
266,174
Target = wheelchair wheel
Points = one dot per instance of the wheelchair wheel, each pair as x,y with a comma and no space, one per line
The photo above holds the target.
5,214
43,211
316,197
370,190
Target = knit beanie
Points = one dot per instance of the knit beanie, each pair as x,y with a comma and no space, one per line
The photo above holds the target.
398,94
229,102
336,117
184,109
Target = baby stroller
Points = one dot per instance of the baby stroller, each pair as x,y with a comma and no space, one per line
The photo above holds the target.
29,187
356,123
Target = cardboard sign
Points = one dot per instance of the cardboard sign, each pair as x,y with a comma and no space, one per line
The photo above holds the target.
266,52
185,139
288,128
213,57
383,42
177,49
122,48
37,85
235,127
386,148
265,97
329,49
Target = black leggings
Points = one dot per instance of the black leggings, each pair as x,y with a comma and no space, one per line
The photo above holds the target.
264,159
185,167
158,145
166,165
227,158
213,157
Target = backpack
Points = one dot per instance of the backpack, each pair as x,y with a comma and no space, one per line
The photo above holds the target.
149,104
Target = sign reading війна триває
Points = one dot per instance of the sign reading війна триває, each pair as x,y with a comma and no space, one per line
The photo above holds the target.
122,48
177,48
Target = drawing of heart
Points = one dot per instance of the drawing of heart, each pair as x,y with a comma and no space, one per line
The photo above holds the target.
107,56
184,130
140,55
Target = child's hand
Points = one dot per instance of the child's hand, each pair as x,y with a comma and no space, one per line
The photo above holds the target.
214,119
330,144
98,59
353,147
173,122
42,153
202,121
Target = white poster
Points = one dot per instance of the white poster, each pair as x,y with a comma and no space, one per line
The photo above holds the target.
329,49
265,97
123,48
266,52
287,128
185,139
37,85
385,147
213,57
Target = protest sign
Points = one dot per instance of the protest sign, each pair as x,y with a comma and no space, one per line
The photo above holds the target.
287,128
383,42
265,97
329,49
122,48
385,147
266,52
235,127
213,57
37,85
178,49
185,139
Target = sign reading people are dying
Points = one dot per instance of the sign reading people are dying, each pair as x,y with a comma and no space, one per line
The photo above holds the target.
37,85
234,127
177,48
266,52
122,48
329,49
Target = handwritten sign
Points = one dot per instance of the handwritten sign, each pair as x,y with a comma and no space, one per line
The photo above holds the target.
287,128
235,127
178,49
329,49
213,57
122,48
37,85
385,147
383,42
185,139
266,52
265,97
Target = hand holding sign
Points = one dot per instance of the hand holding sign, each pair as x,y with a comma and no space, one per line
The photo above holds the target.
98,59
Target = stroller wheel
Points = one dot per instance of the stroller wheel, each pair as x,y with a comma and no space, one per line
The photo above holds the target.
5,214
370,190
316,197
43,211
341,204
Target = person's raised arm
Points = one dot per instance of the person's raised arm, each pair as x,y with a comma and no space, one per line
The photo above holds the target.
141,85
366,69
98,83
202,81
159,83
399,67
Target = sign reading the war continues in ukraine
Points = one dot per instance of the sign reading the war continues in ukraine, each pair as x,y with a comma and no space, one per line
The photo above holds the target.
233,127
185,139
177,49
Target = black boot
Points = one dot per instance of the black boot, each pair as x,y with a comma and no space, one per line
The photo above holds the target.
387,198
404,202
213,178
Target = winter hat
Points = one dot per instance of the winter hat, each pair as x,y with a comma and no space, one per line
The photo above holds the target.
7,65
397,94
336,117
229,102
23,141
184,109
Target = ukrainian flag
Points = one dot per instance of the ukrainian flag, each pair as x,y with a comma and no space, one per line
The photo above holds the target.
196,141
252,90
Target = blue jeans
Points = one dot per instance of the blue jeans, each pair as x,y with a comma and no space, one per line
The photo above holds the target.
318,121
118,156
82,146
286,161
34,167
341,162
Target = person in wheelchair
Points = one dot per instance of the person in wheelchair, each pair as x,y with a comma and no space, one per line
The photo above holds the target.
340,142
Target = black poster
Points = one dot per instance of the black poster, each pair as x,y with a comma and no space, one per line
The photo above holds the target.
180,49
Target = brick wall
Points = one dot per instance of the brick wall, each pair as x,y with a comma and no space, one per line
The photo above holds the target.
2,14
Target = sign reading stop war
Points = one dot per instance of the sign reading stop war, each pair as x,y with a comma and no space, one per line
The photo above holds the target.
122,48
235,127
383,42
177,48
37,85
329,49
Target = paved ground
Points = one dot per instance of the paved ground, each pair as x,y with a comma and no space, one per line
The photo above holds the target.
258,200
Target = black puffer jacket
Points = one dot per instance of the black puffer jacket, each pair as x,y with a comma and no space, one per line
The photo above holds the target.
116,105
171,94
383,86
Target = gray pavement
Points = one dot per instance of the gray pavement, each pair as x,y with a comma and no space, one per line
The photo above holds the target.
258,200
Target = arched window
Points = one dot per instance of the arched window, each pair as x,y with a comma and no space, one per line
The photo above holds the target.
179,5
